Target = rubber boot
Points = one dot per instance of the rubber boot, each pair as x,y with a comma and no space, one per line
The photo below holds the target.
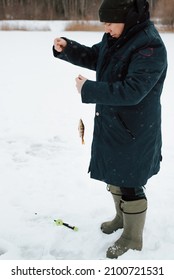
117,223
134,213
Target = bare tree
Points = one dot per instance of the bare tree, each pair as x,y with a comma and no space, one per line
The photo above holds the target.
164,10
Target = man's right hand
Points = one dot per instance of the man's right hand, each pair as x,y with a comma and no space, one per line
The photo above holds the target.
60,44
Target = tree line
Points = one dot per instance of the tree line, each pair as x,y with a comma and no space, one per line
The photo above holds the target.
72,9
49,9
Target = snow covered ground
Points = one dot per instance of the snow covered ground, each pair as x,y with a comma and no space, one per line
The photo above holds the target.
43,165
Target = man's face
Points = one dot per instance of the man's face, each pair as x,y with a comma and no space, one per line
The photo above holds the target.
115,29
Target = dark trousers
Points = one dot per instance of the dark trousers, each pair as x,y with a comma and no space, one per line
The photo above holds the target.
129,194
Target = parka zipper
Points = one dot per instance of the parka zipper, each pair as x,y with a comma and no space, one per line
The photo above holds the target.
126,127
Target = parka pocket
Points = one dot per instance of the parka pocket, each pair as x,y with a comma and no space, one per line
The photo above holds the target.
124,126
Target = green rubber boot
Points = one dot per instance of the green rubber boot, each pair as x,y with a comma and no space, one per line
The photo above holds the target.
134,213
117,223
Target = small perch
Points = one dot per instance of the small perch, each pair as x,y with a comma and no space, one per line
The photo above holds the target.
81,129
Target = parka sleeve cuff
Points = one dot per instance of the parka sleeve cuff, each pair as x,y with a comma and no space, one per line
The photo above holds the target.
88,92
55,53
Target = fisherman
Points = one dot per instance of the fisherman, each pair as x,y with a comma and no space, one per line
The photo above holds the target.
130,64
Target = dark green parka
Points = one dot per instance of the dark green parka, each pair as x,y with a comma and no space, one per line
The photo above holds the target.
130,72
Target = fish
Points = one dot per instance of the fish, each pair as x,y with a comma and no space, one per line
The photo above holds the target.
81,129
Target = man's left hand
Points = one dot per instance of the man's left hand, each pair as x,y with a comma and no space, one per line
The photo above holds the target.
80,80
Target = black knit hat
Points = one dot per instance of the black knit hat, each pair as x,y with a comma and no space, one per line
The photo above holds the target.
115,11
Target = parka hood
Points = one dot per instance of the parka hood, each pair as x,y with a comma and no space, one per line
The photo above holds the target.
137,18
137,14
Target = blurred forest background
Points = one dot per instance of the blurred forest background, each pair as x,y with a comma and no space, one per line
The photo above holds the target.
161,10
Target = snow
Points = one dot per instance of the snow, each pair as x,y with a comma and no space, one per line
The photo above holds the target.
43,165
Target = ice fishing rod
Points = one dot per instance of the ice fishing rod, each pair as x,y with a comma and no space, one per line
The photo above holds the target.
59,222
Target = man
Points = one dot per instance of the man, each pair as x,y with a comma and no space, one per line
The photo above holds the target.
130,64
